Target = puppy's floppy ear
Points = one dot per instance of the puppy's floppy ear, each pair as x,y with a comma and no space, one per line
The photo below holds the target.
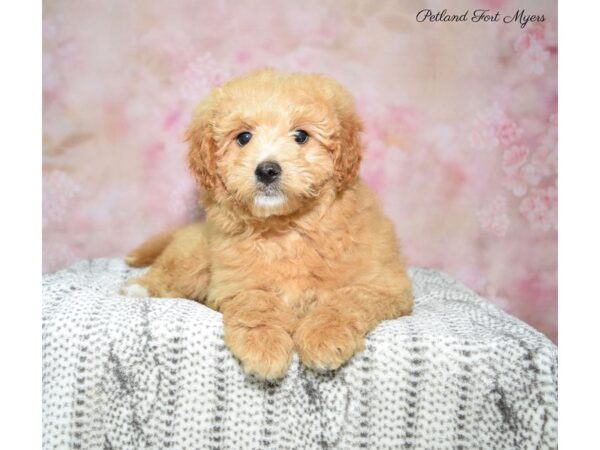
201,154
346,145
347,150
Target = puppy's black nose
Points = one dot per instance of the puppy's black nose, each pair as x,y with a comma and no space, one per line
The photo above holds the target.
267,171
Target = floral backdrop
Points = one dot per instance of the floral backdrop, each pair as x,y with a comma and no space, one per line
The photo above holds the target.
460,124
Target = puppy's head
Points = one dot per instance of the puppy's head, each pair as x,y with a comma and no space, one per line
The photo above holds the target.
271,142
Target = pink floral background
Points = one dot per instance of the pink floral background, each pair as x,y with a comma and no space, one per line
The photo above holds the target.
461,124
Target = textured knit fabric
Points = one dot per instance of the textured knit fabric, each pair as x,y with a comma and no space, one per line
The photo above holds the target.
131,373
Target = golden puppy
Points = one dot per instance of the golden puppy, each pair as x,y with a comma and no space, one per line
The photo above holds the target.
295,251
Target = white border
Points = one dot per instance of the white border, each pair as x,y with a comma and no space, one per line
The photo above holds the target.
20,197
579,224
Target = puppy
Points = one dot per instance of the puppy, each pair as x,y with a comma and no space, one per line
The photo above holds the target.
295,251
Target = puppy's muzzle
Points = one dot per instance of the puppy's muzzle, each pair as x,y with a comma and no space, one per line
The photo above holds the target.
267,172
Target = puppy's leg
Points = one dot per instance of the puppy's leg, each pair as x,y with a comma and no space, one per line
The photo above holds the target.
258,329
149,251
333,331
181,270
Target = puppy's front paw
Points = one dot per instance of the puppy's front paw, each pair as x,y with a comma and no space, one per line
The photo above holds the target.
325,340
265,351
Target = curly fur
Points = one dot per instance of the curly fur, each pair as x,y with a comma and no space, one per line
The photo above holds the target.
315,270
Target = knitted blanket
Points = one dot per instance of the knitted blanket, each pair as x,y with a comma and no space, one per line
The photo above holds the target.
130,373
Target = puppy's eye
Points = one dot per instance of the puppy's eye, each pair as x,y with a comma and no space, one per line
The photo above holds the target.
243,138
300,136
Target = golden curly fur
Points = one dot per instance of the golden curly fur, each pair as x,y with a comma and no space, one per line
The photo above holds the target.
309,262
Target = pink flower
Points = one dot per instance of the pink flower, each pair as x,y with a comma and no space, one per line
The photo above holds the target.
532,174
492,127
484,136
514,158
545,156
493,218
541,208
530,37
546,160
535,58
519,181
508,131
483,139
532,48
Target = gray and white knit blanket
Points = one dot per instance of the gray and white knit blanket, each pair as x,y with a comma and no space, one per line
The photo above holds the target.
130,373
